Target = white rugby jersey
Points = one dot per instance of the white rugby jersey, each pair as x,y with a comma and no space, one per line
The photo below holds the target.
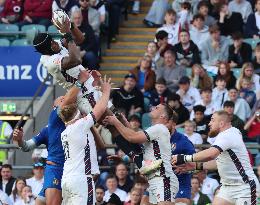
233,162
53,65
158,146
79,148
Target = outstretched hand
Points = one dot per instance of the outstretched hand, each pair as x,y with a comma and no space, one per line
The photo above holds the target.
97,76
63,27
18,134
106,84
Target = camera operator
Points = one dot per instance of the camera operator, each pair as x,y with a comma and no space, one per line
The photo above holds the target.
253,127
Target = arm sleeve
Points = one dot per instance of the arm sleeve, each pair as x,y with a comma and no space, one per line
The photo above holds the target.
41,137
204,55
54,63
230,54
28,145
196,56
222,143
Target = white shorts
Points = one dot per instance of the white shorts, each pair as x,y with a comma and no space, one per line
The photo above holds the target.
83,101
240,194
78,190
162,189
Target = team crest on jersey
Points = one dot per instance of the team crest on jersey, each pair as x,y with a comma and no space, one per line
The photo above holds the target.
173,146
55,181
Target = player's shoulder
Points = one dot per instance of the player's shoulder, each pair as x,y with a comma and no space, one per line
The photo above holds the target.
232,131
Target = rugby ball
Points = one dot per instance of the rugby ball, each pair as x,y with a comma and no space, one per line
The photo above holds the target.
59,16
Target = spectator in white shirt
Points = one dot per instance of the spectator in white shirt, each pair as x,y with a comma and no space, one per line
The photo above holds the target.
241,6
189,127
100,6
36,182
111,184
16,196
189,95
208,185
27,197
220,91
172,25
206,100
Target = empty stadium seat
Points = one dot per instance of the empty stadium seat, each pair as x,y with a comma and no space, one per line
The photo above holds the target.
32,30
236,72
52,29
9,28
20,42
252,42
146,104
36,27
4,42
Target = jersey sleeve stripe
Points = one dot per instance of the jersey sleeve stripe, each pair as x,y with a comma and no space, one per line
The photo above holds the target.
147,136
93,116
218,147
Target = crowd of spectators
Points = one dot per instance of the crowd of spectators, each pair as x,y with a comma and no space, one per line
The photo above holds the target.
190,66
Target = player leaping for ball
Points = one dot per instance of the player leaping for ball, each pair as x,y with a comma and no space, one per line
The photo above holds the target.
239,183
64,64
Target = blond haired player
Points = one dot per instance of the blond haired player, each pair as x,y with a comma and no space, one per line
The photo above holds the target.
80,151
239,183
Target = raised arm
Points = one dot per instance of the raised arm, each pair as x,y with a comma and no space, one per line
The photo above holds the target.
31,144
71,95
206,155
129,134
74,58
101,105
77,34
98,139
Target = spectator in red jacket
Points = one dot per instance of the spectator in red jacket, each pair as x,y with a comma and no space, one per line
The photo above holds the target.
253,127
37,12
11,12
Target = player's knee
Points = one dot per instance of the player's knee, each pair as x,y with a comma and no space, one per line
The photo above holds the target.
40,202
53,197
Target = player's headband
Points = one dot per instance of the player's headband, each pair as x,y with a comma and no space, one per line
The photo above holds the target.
42,44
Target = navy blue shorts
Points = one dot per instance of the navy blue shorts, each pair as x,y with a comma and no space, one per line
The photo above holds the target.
52,178
184,192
